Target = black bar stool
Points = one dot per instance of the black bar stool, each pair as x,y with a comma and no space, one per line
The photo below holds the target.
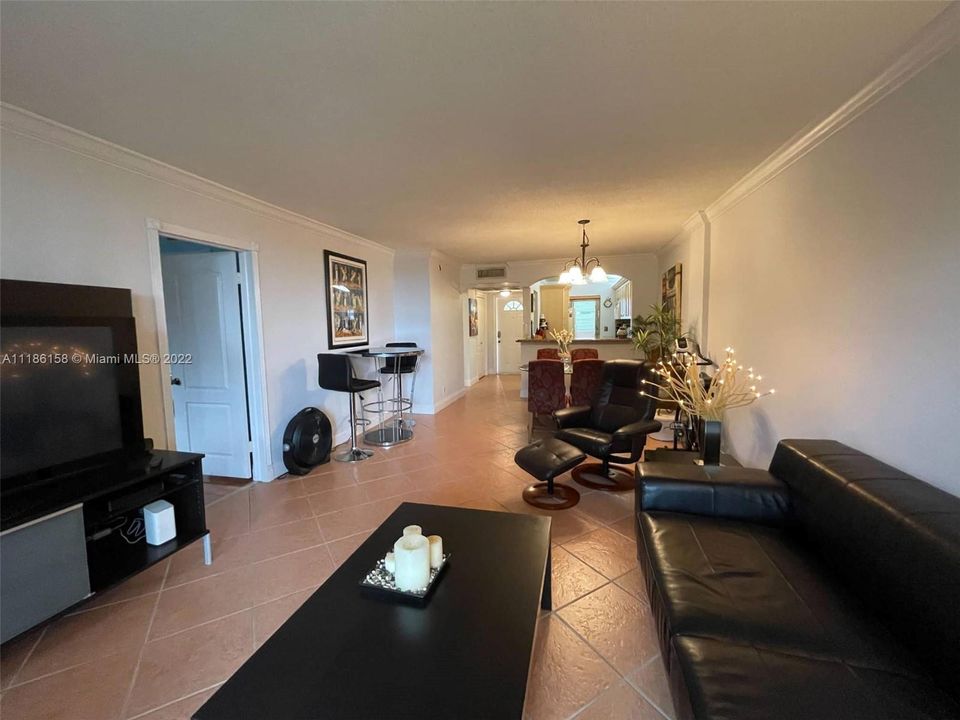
336,374
398,367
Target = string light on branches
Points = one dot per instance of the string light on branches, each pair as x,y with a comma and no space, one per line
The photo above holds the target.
731,385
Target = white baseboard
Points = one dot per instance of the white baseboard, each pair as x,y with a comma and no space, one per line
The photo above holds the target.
423,409
437,407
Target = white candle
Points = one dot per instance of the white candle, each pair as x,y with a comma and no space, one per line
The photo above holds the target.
412,558
390,563
413,530
436,550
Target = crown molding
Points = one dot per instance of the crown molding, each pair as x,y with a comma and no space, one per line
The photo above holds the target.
936,38
695,222
602,256
36,127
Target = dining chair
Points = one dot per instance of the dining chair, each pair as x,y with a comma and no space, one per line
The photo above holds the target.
546,390
548,354
584,354
585,380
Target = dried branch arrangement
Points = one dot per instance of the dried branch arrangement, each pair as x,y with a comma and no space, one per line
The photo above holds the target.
563,337
731,386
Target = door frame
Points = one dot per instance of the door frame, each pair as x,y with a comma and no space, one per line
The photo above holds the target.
499,332
251,321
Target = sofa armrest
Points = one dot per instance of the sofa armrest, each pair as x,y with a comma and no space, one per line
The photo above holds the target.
576,416
734,493
641,427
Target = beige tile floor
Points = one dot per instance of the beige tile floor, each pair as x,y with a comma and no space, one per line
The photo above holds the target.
157,646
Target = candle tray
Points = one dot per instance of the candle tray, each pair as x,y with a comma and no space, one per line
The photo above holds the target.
379,582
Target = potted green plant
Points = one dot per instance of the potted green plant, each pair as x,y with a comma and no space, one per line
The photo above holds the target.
655,334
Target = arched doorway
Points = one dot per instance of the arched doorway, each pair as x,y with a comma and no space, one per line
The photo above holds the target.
591,311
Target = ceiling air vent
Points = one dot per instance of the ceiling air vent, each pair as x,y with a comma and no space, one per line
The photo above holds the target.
491,273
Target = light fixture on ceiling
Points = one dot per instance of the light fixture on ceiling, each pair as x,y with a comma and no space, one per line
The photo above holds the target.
578,270
504,293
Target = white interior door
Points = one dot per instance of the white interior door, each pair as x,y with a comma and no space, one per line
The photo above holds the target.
510,317
202,299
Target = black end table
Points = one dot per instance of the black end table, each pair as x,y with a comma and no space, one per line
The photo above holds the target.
466,654
683,456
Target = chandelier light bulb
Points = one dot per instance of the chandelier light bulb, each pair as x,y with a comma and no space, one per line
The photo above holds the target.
598,275
565,277
576,274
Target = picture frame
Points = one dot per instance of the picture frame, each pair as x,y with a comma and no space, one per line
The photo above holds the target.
473,318
671,289
348,319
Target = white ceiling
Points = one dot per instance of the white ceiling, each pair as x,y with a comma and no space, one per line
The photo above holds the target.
485,130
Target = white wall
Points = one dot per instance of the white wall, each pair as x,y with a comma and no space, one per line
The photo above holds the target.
840,280
412,319
641,269
447,306
429,311
690,248
68,217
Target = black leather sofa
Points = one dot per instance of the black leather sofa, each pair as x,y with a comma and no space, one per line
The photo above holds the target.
826,588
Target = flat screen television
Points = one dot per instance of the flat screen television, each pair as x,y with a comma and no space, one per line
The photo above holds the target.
69,396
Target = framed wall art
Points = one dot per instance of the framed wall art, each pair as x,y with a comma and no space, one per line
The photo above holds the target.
671,289
348,319
473,319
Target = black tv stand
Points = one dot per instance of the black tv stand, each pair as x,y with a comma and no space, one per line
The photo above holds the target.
103,502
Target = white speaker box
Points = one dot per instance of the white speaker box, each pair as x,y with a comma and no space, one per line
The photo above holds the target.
160,524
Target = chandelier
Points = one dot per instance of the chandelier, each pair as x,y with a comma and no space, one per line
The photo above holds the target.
576,271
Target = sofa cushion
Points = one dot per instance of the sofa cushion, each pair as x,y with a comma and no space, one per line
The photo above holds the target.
893,538
728,680
754,584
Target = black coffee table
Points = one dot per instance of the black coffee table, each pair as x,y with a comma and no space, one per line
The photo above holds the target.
466,654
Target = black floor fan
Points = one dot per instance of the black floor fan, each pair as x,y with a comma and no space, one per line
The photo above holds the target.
307,441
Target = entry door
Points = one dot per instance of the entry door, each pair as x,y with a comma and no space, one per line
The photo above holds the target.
202,299
510,329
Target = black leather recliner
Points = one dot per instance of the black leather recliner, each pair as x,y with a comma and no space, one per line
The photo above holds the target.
614,427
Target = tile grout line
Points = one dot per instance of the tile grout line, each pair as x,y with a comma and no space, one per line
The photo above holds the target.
16,674
238,567
174,702
143,646
656,658
231,614
604,657
589,645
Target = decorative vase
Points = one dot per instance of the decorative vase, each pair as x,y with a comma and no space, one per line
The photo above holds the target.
710,442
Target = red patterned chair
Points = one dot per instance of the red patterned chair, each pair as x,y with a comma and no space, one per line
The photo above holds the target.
587,375
546,390
548,354
584,354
